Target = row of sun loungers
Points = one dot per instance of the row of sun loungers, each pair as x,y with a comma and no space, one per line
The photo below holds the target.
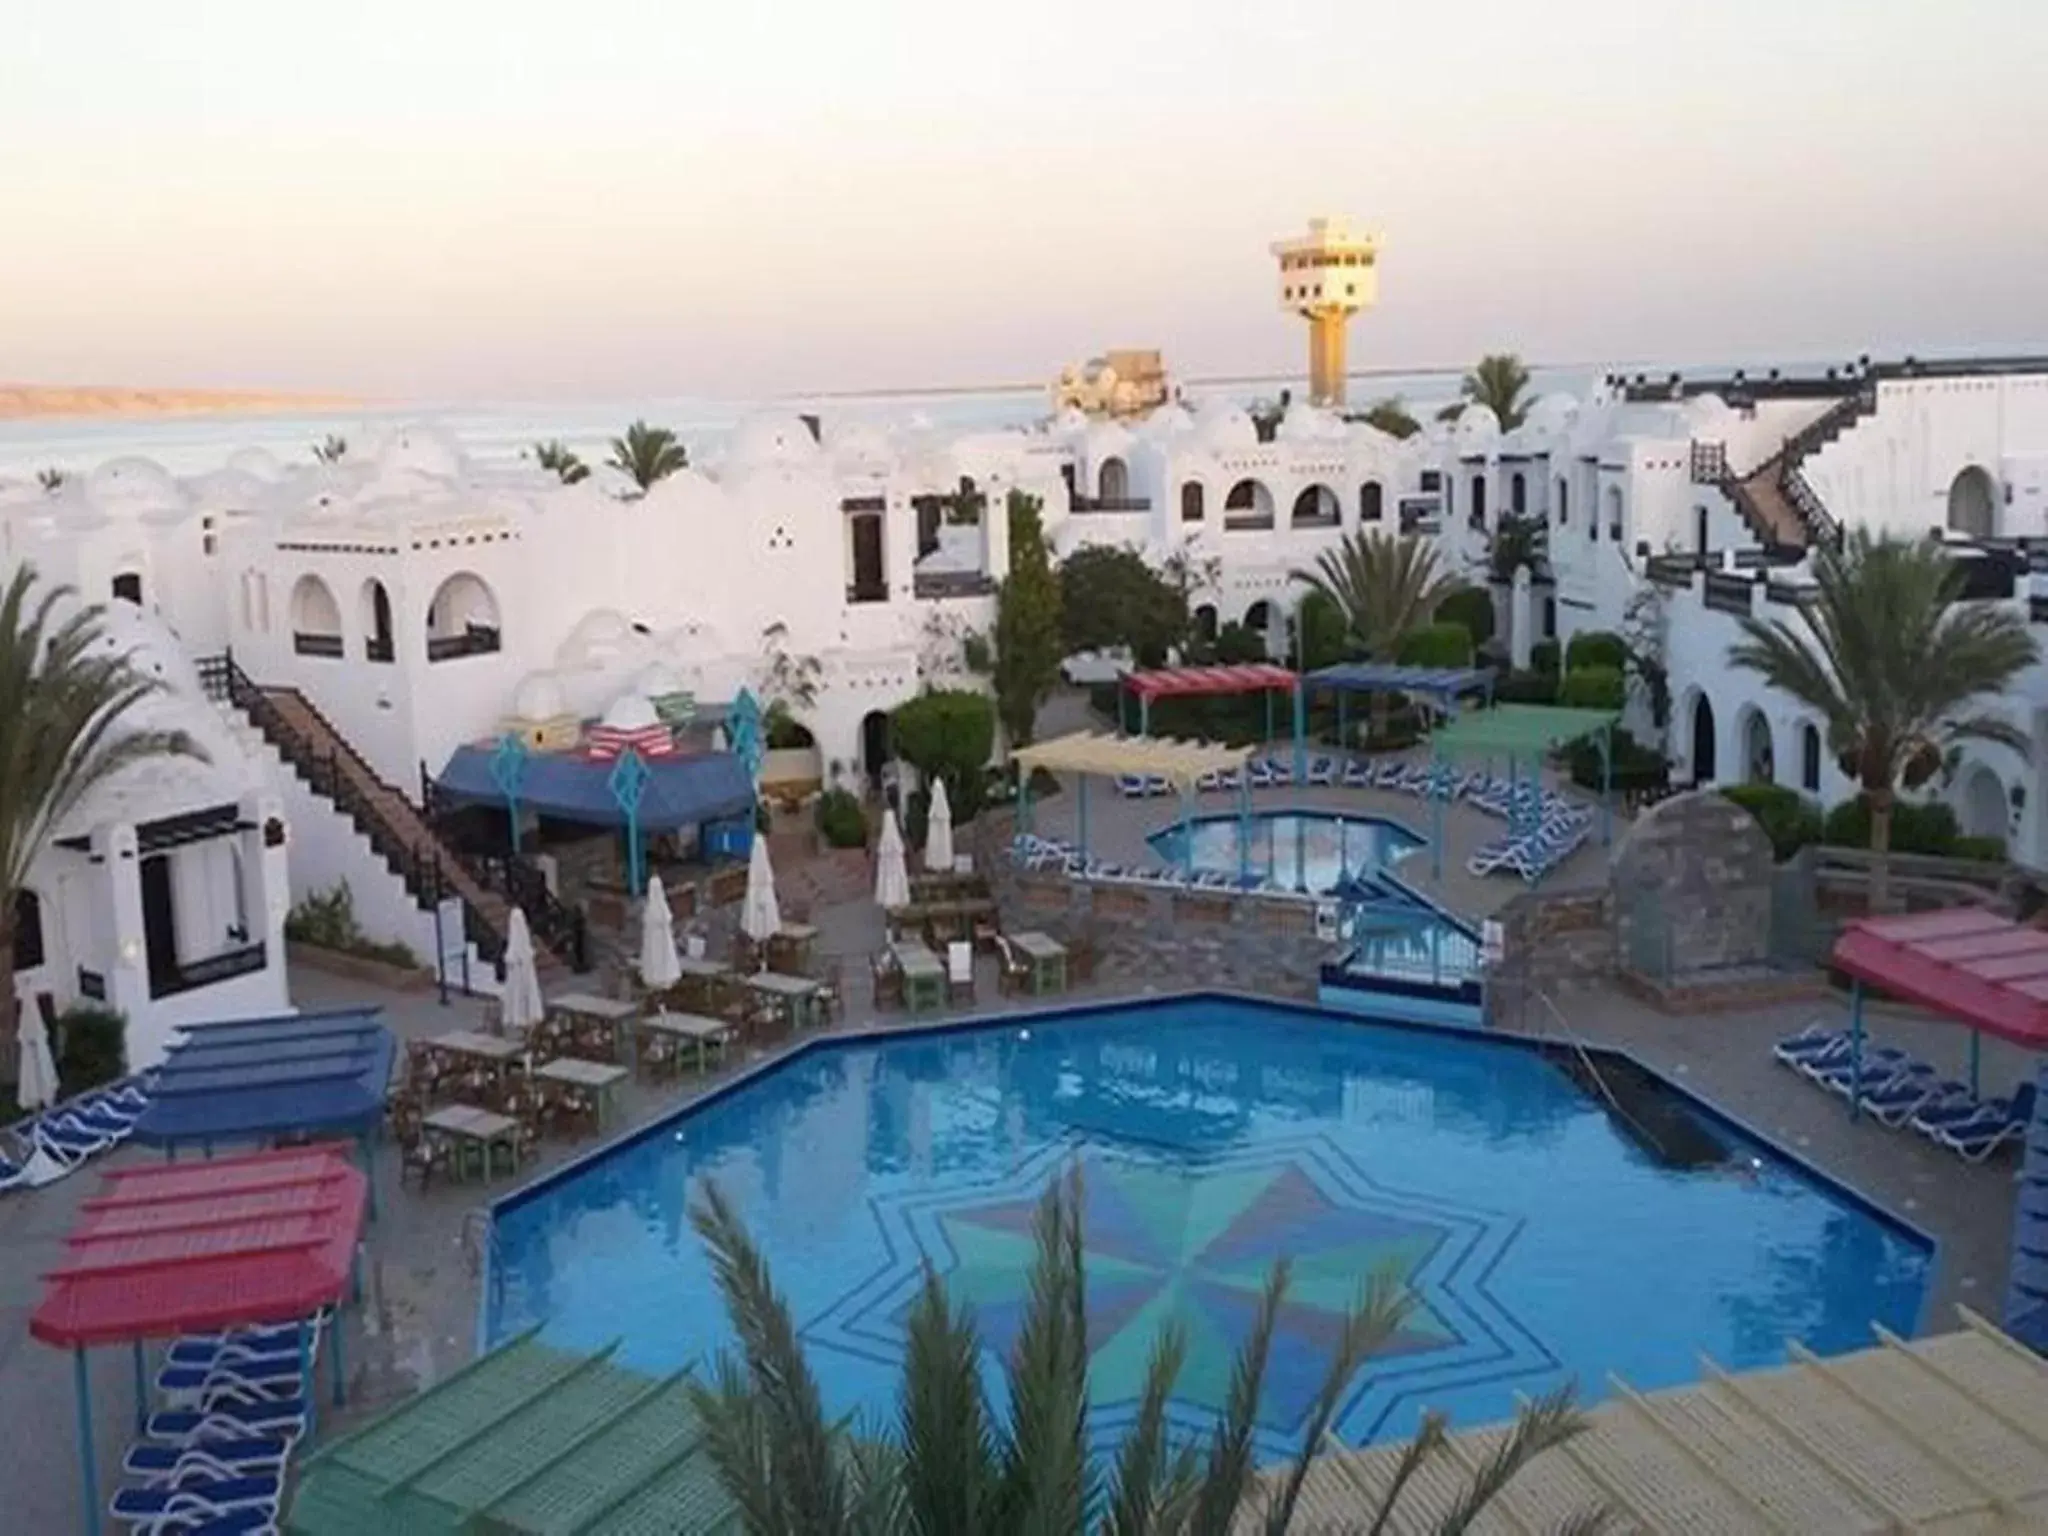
1047,853
63,1137
212,1460
1903,1092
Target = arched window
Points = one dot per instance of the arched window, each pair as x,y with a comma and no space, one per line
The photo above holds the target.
1315,507
1477,512
1192,509
462,620
1259,616
1809,759
1113,480
1204,619
28,930
1518,494
1759,765
1371,502
1973,503
1564,501
128,587
377,641
1614,513
1249,505
316,618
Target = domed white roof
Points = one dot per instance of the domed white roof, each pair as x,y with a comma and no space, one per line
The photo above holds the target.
1551,413
1106,440
539,696
631,712
1303,423
1170,420
421,450
601,636
656,679
133,487
770,439
259,462
232,490
1476,423
858,440
1225,427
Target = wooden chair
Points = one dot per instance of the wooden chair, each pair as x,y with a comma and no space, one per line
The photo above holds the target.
1015,973
987,934
658,1056
832,990
886,976
417,1152
960,971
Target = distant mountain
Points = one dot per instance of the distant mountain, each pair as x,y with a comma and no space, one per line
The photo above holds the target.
22,401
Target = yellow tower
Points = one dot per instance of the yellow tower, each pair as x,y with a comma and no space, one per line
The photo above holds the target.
1326,277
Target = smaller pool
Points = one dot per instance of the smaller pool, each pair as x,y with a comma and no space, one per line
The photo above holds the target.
1313,851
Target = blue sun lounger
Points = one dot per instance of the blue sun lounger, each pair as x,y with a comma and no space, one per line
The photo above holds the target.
1357,774
1992,1127
196,1498
232,1456
284,1416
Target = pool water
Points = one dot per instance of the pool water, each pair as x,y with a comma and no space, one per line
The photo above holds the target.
1544,1242
1313,851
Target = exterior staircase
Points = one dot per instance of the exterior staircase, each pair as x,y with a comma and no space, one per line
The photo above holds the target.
396,829
1780,508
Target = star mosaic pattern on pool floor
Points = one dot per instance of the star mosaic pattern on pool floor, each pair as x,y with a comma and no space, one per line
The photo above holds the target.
1169,1238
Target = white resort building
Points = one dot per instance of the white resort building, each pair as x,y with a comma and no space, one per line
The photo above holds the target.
389,612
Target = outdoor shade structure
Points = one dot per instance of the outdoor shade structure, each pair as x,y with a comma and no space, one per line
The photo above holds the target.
267,1239
527,1439
1264,677
308,1074
1442,686
1089,754
1522,735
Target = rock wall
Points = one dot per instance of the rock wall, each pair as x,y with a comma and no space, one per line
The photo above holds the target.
1691,885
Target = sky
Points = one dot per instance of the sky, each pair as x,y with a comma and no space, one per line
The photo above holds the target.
447,199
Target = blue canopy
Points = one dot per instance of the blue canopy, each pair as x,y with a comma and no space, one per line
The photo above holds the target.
1445,683
682,791
250,1078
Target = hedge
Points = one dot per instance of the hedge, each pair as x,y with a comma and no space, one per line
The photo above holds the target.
1788,818
1543,656
1436,645
1471,607
1592,688
1596,648
840,820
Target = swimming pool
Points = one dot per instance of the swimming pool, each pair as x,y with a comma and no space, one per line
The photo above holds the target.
1315,851
1214,1134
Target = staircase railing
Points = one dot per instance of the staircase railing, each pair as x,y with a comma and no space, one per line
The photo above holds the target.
520,881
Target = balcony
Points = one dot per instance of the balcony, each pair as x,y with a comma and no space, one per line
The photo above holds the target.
1109,504
380,650
1247,522
211,971
476,640
952,584
316,645
1729,593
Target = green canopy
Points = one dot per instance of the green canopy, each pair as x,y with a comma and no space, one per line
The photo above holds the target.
1517,730
530,1440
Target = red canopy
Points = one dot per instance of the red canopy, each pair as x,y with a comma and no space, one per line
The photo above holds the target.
1976,967
189,1247
1183,682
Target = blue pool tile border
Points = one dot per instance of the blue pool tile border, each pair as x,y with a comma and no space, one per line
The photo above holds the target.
1157,1001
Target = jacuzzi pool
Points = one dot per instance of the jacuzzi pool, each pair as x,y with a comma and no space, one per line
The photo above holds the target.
1313,851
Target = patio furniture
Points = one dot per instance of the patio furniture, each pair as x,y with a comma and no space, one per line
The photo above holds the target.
924,977
885,976
1048,958
1014,973
789,950
601,1025
960,971
832,990
795,998
598,1079
694,1030
482,1132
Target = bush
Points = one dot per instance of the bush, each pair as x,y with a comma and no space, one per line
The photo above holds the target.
1596,648
1788,818
327,920
1543,657
1236,645
1436,645
91,1046
1592,688
1990,849
1916,828
1526,688
783,731
841,821
1473,608
948,733
1638,769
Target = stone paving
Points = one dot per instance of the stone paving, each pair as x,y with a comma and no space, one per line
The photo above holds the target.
420,1317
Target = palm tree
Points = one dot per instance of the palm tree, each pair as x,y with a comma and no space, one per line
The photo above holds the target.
62,697
648,454
1895,663
1391,417
554,455
951,1465
1387,586
1498,383
51,480
331,449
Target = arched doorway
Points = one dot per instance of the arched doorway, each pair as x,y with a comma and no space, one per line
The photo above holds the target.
1982,810
1758,763
1259,616
1315,507
128,587
1113,481
1204,620
1371,502
1614,511
1973,503
1192,509
462,620
376,616
1703,753
874,745
316,618
1476,512
1809,759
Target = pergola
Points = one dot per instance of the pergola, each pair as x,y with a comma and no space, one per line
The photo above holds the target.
1264,677
1442,686
308,1074
1524,732
262,1240
1089,754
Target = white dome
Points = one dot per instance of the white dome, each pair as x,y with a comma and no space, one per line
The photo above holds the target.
1476,423
1551,413
1170,420
656,679
601,636
771,439
1225,427
231,490
258,462
421,450
539,696
1107,440
631,712
1303,423
134,486
861,441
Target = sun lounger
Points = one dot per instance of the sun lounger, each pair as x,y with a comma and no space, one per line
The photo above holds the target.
1357,774
1131,785
68,1142
196,1498
1898,1101
243,1343
1995,1123
1871,1077
1259,773
1815,1039
1279,771
155,1460
1230,779
1323,771
1873,1057
280,1416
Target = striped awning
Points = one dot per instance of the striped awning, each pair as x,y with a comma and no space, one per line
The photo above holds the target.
1190,682
1181,762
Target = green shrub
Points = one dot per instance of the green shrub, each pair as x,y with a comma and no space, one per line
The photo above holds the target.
91,1047
1436,645
1930,828
1473,608
1638,769
1543,656
1990,849
1788,818
1237,645
1596,648
1526,688
1592,688
840,820
327,920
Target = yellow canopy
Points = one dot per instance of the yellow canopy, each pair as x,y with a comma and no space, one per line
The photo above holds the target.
1180,762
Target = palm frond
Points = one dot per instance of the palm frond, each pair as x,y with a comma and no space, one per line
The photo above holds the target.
1046,1484
1415,1455
1138,1486
1540,1426
741,1443
1229,1465
948,1466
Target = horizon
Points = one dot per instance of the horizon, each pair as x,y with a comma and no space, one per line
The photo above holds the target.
471,202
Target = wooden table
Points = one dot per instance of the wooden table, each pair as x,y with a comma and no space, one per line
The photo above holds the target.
697,979
467,1126
600,1079
796,996
495,1049
790,949
611,1012
924,976
706,1032
1048,959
